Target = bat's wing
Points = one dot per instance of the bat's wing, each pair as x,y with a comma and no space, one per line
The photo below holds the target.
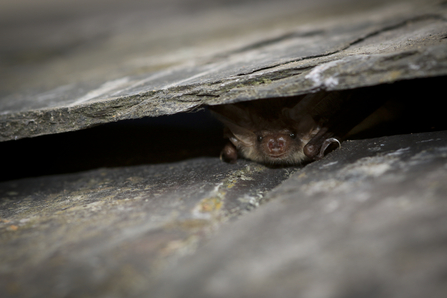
336,114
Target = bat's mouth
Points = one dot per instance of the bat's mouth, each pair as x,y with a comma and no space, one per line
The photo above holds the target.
277,155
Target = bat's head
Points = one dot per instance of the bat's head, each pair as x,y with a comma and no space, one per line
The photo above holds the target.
276,139
275,147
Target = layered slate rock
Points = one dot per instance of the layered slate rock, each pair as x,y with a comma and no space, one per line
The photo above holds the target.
368,221
151,211
109,231
383,44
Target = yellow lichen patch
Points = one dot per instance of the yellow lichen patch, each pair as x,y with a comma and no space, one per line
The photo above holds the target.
13,228
181,246
210,205
393,75
188,224
230,185
172,247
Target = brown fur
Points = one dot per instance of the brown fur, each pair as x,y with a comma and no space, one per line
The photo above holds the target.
290,130
272,131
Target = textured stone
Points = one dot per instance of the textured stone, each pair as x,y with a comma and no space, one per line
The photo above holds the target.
368,221
384,44
143,209
105,232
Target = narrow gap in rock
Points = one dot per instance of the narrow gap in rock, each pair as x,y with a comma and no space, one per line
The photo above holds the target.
125,143
288,131
412,106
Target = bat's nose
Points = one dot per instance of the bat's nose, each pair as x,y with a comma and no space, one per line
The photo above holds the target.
276,145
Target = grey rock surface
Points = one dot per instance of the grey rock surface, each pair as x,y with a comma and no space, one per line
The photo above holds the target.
143,209
367,221
119,66
108,232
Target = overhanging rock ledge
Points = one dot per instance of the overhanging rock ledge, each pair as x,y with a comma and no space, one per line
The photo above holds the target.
392,42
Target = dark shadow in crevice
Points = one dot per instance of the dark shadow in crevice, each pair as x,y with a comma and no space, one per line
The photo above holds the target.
412,106
133,142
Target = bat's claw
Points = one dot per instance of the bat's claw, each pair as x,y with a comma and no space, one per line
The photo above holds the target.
326,144
315,151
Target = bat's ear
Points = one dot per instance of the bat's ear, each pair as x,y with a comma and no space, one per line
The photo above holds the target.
304,106
242,134
305,124
238,122
299,114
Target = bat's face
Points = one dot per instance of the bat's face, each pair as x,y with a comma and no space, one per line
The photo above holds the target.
276,139
273,146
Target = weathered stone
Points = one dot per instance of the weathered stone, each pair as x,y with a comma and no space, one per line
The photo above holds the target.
108,231
128,213
368,221
394,41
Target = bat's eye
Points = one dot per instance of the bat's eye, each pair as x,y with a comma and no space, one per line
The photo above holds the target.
292,135
260,138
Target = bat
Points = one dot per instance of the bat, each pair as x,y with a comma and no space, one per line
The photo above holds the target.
290,131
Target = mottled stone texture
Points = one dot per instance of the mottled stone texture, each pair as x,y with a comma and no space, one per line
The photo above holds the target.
368,221
145,208
296,48
107,231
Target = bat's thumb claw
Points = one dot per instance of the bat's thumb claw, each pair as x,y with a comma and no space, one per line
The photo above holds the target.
326,144
332,141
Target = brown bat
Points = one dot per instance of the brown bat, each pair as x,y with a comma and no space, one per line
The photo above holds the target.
288,131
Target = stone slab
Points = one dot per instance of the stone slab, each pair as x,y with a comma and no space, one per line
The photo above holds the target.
106,232
367,221
368,45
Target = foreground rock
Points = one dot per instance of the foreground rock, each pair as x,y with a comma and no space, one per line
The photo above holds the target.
368,221
108,231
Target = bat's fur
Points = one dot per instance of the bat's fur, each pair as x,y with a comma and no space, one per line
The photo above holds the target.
272,131
284,131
